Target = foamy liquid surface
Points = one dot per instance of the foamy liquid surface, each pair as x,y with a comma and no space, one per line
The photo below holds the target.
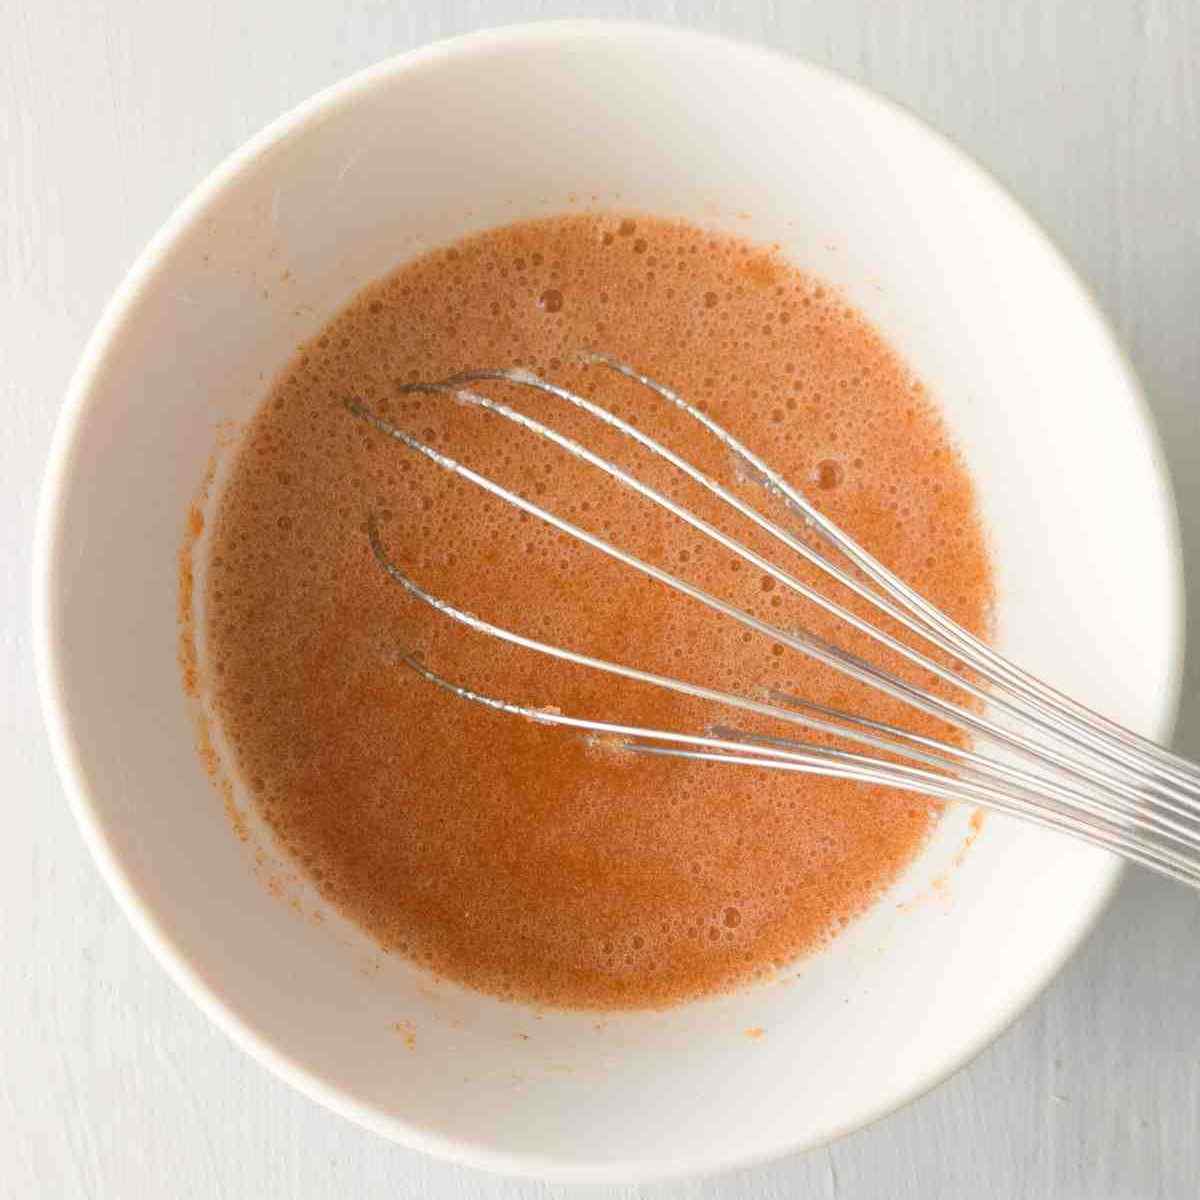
510,856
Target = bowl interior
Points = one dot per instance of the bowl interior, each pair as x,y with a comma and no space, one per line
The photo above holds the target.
488,130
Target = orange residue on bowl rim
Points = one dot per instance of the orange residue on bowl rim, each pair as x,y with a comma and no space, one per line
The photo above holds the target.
188,652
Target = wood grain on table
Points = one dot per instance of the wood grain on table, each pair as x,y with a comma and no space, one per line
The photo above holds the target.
111,1083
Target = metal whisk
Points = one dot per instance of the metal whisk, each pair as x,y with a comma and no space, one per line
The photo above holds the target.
1052,760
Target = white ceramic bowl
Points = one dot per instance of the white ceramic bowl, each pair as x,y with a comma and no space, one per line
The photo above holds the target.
510,124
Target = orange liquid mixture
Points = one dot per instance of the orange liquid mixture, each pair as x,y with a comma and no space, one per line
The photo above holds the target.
513,857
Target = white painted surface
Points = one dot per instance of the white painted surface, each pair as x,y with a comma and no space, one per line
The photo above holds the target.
111,1084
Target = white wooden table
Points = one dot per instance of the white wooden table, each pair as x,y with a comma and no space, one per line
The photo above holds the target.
111,1083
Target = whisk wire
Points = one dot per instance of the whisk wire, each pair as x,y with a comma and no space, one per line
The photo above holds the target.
1022,707
873,735
935,623
816,760
839,659
1082,774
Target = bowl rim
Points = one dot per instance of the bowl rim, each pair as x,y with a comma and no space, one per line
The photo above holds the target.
73,774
